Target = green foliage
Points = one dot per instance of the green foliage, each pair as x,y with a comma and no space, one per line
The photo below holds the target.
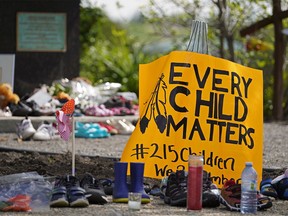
111,52
225,20
108,53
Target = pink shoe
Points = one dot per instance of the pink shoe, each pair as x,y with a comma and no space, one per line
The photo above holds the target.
94,111
106,111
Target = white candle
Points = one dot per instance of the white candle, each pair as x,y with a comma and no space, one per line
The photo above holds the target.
134,205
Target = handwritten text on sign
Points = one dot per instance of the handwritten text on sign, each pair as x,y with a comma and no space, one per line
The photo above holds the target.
200,105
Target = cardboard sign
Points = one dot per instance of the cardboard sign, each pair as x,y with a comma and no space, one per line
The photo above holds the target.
198,104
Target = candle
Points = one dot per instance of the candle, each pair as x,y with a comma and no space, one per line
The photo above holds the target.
194,183
134,205
134,201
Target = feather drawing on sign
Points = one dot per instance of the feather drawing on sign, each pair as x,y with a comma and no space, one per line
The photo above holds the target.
155,108
63,119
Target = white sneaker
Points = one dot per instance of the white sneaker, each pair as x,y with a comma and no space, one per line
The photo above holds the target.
123,126
44,132
6,112
25,129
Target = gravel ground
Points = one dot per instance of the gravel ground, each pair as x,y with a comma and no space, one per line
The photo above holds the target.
275,145
275,157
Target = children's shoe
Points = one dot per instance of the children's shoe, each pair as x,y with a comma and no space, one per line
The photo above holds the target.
98,111
176,190
59,193
263,202
107,185
280,177
282,189
25,129
20,109
155,191
75,194
94,190
230,196
5,112
210,194
280,184
123,126
267,189
110,128
44,132
90,130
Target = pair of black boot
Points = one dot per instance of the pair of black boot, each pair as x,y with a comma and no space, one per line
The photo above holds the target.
121,188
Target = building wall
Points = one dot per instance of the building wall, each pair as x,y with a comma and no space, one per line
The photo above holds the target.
35,68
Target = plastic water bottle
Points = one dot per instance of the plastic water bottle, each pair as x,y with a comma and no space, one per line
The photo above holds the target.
249,189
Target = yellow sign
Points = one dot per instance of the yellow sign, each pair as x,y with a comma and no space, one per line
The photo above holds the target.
198,104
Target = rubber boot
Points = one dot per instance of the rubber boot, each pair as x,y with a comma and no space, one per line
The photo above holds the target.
137,178
120,189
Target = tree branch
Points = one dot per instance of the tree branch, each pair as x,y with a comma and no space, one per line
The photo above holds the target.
262,23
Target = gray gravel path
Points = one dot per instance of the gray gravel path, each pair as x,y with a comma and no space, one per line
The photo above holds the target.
275,145
274,148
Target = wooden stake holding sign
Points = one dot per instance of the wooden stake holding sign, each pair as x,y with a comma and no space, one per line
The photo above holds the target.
198,41
198,104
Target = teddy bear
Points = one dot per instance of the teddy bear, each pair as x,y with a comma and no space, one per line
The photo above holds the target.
7,96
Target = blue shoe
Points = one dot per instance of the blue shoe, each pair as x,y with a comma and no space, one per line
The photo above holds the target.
75,194
280,184
59,194
282,188
267,189
92,130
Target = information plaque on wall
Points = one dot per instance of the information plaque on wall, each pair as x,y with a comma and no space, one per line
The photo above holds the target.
41,32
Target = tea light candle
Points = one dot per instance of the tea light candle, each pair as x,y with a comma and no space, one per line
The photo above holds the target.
134,205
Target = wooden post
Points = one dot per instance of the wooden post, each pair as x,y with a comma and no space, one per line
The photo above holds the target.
73,146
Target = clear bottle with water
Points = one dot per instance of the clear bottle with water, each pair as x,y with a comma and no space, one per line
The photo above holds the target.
249,189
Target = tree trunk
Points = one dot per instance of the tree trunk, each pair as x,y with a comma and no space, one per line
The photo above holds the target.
279,61
230,41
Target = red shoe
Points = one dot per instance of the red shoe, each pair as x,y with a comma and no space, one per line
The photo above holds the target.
230,196
110,128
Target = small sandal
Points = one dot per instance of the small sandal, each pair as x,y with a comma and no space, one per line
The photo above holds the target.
263,202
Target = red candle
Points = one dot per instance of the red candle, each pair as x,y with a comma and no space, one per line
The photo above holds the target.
195,182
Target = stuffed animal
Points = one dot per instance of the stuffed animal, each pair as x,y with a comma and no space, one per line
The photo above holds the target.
7,96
